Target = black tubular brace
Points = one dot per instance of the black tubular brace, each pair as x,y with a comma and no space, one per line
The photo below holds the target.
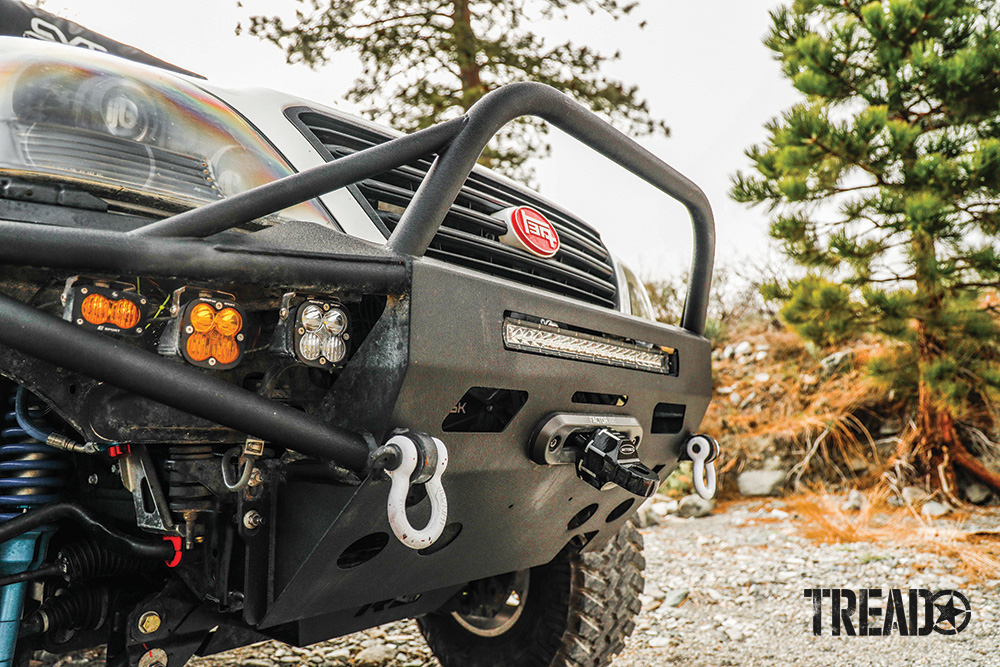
171,247
175,384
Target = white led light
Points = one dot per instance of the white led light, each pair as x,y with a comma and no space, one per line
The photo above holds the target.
311,317
310,346
531,337
334,349
335,322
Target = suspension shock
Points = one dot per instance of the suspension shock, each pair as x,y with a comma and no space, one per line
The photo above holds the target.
187,497
31,475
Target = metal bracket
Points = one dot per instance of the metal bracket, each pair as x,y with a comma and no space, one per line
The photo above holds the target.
139,477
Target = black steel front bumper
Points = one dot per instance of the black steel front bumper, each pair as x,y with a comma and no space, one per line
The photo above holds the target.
440,334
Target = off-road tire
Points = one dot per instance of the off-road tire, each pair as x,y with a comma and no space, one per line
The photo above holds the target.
578,612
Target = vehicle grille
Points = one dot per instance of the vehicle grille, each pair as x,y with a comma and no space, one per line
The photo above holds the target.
582,268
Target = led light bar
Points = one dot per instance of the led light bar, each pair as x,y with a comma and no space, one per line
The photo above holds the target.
553,341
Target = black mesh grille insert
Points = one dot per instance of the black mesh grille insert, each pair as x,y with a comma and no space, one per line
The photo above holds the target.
582,268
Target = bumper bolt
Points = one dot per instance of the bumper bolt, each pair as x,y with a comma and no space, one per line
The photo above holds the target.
252,520
149,623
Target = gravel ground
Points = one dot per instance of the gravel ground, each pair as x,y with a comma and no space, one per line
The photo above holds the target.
744,571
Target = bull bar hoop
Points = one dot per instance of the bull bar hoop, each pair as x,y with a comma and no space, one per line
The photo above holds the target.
177,247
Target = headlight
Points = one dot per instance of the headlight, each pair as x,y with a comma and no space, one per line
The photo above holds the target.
132,133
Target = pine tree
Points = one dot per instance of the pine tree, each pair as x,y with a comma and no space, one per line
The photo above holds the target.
427,60
885,182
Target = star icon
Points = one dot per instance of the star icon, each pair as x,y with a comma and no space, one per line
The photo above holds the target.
947,621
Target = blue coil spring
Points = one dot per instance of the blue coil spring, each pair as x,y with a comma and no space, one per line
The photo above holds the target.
31,473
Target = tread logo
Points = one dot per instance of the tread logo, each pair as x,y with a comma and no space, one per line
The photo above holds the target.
915,612
529,230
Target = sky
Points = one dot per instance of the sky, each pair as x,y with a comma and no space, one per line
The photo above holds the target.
700,64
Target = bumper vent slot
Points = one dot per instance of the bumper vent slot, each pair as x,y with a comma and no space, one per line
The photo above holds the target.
594,398
484,410
582,269
668,418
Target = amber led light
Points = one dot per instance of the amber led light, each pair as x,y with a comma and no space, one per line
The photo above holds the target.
110,307
211,333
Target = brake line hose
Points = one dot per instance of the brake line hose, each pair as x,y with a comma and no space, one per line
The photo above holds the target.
41,435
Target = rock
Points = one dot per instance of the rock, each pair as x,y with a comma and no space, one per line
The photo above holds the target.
914,495
375,656
809,380
659,642
762,377
725,391
855,501
645,517
694,506
256,662
728,352
664,508
934,509
761,482
891,426
760,356
676,597
743,349
836,361
856,464
653,592
338,654
976,493
735,398
746,401
649,604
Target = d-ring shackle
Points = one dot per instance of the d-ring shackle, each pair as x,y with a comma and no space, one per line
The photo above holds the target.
407,534
702,450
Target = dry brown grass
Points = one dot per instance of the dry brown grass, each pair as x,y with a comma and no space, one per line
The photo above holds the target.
817,420
978,553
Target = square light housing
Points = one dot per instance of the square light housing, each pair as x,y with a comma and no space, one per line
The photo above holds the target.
207,329
107,306
315,330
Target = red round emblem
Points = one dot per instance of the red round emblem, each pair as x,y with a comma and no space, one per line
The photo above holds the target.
536,234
